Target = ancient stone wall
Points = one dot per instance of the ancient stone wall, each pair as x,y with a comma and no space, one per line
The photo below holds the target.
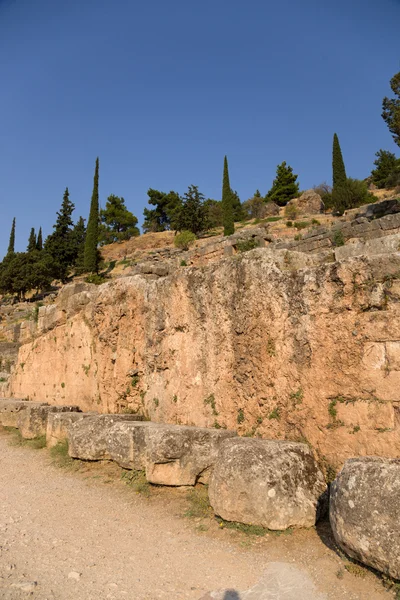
271,343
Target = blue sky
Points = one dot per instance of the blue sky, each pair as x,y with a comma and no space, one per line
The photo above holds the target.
162,90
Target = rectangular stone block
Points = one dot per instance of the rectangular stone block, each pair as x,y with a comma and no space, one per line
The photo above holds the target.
11,408
127,443
32,422
58,424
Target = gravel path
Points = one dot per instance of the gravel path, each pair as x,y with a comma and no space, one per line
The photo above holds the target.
66,535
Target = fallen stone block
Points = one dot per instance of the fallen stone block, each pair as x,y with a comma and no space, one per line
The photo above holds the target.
365,512
58,424
88,438
127,443
11,408
32,421
274,484
181,455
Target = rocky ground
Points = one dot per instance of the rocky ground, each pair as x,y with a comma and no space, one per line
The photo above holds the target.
82,533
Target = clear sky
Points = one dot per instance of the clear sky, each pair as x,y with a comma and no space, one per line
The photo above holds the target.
161,90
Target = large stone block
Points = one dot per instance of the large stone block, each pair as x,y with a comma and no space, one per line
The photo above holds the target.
11,408
88,439
32,421
269,483
127,443
58,424
365,512
181,455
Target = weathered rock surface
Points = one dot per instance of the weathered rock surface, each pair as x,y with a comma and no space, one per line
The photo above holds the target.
281,581
178,455
262,330
88,439
269,483
365,512
58,424
32,421
127,443
10,409
309,203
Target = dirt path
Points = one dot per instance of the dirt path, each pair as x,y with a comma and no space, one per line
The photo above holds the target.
84,536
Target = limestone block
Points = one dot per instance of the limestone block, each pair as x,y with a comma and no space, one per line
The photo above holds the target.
180,455
10,409
369,247
309,203
365,512
88,438
32,421
274,484
127,443
58,424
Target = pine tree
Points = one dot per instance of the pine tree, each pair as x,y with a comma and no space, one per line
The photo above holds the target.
39,241
284,187
227,208
59,245
91,254
32,241
11,244
391,109
193,214
117,222
339,177
79,235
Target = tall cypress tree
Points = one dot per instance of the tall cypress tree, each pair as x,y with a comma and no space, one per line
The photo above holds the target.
91,255
32,241
339,177
227,204
39,241
11,243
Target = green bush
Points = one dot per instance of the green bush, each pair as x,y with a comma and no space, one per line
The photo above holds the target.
291,211
246,245
338,239
352,194
184,240
302,224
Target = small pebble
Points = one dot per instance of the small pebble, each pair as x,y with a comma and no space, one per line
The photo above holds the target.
25,586
74,575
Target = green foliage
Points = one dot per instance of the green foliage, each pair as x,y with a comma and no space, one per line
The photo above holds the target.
227,202
352,194
60,456
163,216
246,245
339,176
39,241
183,263
91,254
302,224
275,414
254,208
96,279
240,416
198,504
214,215
387,171
137,481
78,238
24,271
11,243
210,400
184,240
337,238
289,223
60,244
32,241
284,186
244,528
192,214
391,109
325,191
117,222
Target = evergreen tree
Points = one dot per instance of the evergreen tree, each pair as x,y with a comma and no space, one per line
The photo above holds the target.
163,216
39,241
284,187
79,235
91,257
339,177
387,166
11,243
227,202
59,245
117,222
391,109
32,241
193,214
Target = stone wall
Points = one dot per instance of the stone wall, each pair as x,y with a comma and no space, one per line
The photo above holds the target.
270,342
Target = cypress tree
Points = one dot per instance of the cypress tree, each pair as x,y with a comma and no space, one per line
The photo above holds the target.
91,255
39,241
339,177
11,244
32,241
227,204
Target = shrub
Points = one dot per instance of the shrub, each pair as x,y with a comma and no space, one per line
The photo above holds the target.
289,223
352,194
291,211
302,224
184,240
338,239
246,245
